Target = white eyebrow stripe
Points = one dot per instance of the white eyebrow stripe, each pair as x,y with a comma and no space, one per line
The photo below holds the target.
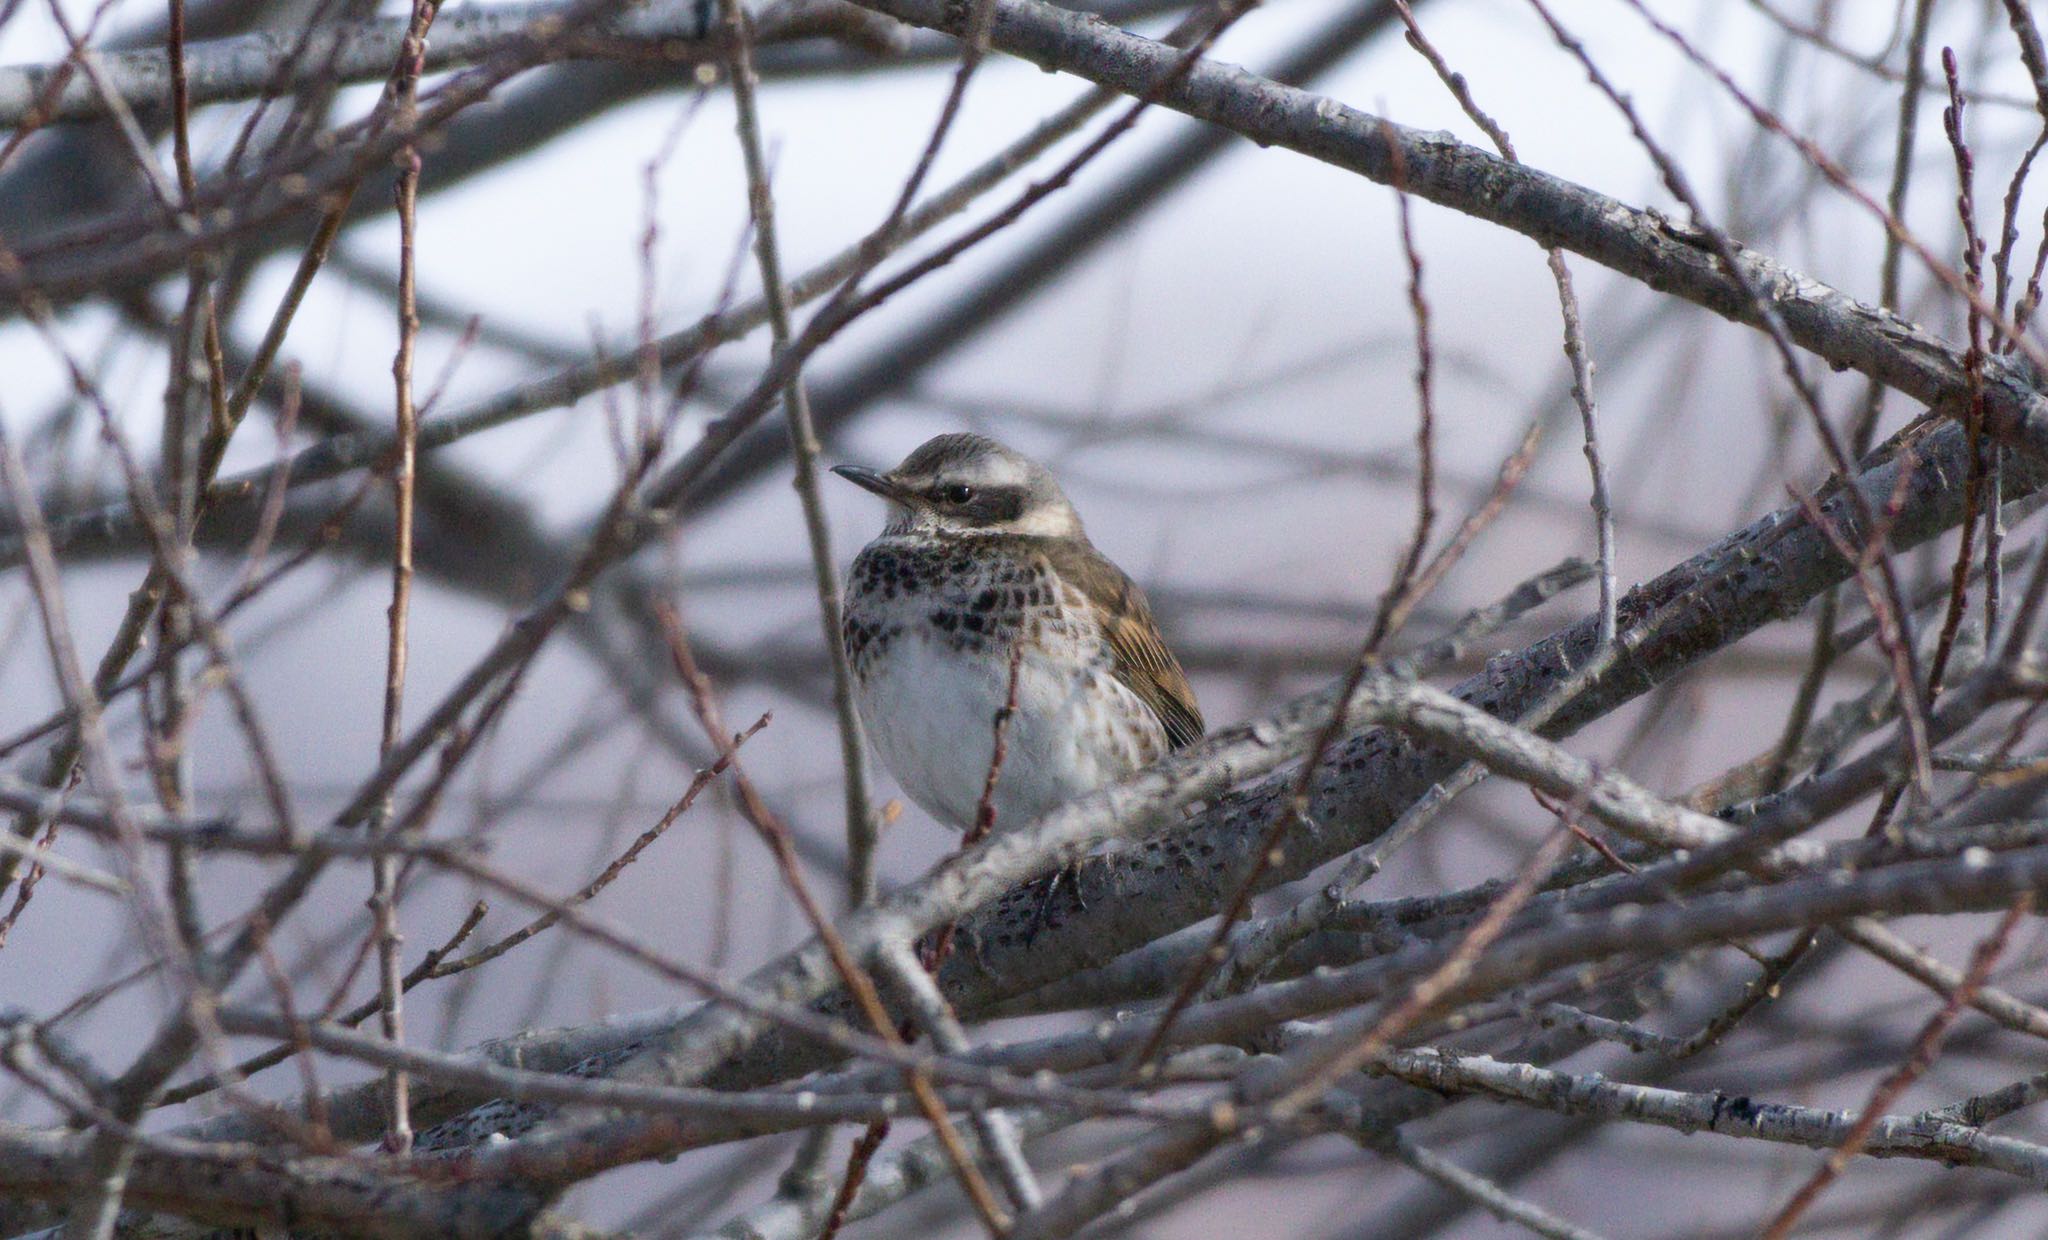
997,471
1046,521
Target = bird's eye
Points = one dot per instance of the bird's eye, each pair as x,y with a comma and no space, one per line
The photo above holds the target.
958,493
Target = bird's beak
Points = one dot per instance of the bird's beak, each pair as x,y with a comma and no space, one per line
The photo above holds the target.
869,480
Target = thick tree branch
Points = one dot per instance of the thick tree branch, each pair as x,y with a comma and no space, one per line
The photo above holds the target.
1155,885
246,66
1549,210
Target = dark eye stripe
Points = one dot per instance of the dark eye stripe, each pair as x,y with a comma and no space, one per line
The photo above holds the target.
994,505
986,506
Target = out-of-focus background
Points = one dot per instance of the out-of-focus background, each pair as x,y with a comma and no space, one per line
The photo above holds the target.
1211,344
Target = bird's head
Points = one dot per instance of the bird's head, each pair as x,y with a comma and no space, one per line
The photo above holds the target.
968,484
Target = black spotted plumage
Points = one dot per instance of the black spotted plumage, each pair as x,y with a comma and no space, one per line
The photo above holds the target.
983,556
1026,576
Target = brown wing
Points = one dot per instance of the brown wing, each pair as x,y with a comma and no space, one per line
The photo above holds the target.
1139,658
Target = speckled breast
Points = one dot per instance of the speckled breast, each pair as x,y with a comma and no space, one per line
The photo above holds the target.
929,630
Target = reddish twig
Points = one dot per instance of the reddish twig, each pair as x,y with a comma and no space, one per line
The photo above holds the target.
941,944
775,834
1404,591
299,1047
857,1161
803,437
384,868
985,808
1889,595
1973,369
423,971
1896,644
1577,355
1393,608
590,890
1925,1049
1341,1058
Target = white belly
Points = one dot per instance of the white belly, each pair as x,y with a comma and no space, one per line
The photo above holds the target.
930,711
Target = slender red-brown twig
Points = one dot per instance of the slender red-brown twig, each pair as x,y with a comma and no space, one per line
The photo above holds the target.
1926,1048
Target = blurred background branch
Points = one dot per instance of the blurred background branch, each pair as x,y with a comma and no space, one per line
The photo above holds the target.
1620,875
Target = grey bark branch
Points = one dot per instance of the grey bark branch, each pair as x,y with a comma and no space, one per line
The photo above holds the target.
1768,570
238,496
1895,1137
1485,1193
896,367
1547,209
1955,884
1185,833
246,66
1764,572
996,1130
236,1184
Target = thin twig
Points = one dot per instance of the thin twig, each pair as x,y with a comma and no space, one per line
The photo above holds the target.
1925,1049
384,869
1400,596
803,442
775,835
1974,484
1576,352
1483,1192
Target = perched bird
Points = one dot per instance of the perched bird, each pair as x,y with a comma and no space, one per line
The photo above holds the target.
982,555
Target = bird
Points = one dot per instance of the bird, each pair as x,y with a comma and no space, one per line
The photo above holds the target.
983,572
